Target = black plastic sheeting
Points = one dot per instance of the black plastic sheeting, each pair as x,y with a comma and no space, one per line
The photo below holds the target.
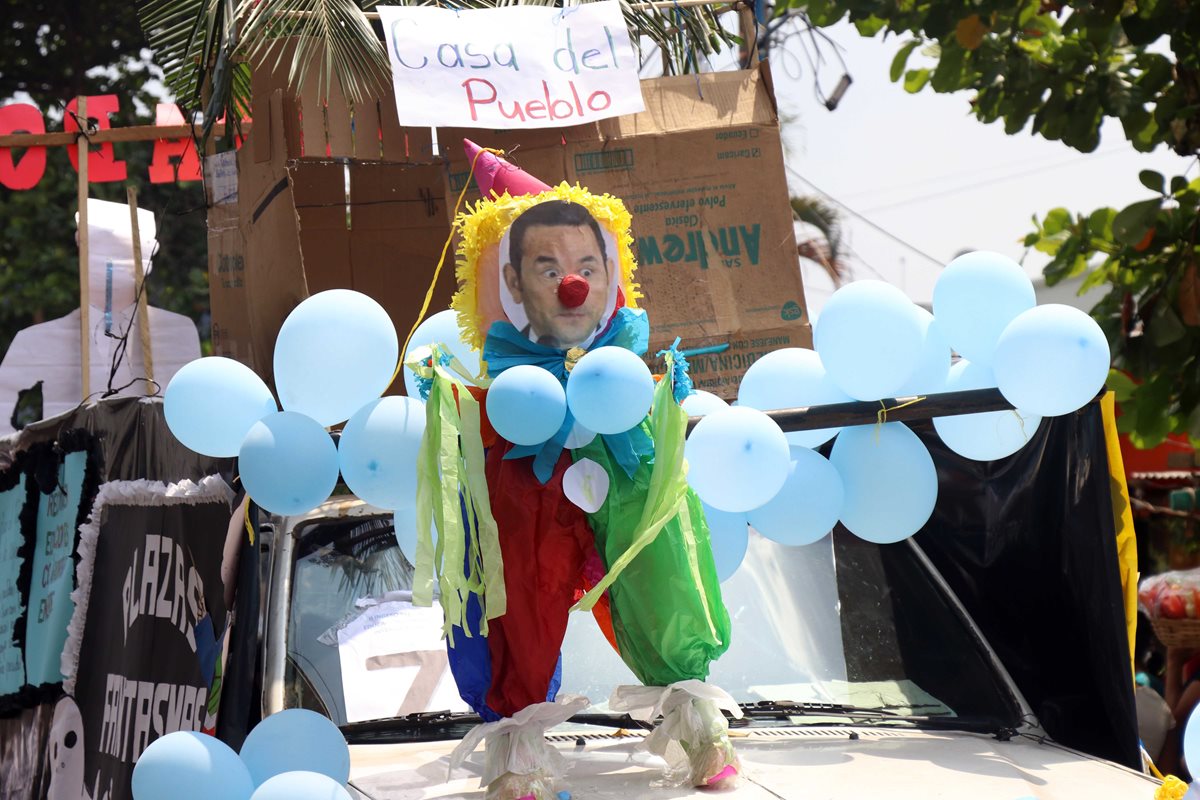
134,442
241,707
1028,544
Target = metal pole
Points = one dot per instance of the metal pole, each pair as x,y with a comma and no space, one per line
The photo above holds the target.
85,328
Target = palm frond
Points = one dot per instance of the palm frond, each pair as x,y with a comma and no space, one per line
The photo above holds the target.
825,249
334,43
185,36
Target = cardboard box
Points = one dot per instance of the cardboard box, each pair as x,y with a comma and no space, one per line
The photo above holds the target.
322,199
701,170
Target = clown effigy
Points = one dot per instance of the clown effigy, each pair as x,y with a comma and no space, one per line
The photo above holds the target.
545,277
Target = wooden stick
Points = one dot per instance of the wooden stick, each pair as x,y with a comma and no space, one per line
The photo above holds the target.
748,30
134,133
85,327
143,310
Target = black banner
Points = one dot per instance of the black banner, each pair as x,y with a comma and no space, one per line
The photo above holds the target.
1028,544
155,620
45,494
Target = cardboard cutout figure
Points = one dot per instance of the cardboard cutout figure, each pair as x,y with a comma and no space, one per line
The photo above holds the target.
49,352
66,752
546,274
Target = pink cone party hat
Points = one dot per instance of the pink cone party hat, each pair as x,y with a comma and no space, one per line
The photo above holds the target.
495,176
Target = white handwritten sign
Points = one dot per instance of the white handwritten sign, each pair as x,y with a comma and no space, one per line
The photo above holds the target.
511,67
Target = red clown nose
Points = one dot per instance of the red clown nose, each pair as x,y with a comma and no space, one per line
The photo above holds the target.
573,291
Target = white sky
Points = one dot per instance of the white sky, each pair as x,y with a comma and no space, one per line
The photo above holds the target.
884,152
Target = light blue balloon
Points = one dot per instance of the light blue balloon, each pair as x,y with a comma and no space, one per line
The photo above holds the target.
730,537
890,481
377,451
975,298
288,463
987,436
737,459
934,363
296,739
526,404
809,504
441,328
186,765
700,403
610,390
1051,360
301,785
869,337
791,378
1191,738
336,352
211,402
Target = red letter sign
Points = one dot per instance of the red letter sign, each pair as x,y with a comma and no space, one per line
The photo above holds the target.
103,166
168,151
23,174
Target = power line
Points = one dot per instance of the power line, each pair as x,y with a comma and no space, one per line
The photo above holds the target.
1045,162
989,182
859,216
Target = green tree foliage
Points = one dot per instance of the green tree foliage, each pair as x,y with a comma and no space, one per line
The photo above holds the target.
52,52
1058,70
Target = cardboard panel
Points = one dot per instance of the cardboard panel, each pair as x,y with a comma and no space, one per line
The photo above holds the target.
689,102
274,277
226,280
702,173
723,359
322,220
368,142
402,144
400,226
338,134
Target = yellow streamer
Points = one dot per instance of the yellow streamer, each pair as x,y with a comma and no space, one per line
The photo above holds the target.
1122,520
450,468
249,527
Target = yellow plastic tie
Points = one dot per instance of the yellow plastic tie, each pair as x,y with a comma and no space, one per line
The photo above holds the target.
249,527
437,271
881,414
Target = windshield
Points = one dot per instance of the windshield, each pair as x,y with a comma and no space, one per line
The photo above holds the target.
842,621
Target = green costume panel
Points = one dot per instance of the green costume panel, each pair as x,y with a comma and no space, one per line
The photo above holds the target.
668,617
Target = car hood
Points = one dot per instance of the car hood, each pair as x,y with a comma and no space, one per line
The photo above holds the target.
810,763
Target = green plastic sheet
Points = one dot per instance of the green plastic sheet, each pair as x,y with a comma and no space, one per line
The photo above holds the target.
668,616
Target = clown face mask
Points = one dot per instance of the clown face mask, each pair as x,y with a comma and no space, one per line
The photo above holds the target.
557,281
556,266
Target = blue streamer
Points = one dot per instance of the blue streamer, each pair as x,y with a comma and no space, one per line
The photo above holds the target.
681,382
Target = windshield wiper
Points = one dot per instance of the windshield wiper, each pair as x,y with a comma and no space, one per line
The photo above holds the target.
409,723
788,709
611,721
782,709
